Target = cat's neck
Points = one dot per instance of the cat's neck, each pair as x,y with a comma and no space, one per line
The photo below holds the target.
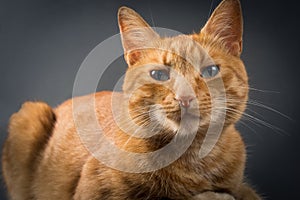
132,138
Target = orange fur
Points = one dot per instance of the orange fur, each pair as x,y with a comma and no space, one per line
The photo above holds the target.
44,157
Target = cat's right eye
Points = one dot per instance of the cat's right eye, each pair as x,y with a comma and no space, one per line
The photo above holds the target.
210,71
160,75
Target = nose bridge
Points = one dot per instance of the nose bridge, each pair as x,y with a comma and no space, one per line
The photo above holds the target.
183,86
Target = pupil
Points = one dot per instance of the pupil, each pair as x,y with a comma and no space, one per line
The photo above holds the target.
160,74
210,71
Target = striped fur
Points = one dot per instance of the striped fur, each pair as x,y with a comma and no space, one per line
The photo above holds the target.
44,157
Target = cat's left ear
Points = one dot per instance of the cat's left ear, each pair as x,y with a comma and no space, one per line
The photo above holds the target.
136,34
226,26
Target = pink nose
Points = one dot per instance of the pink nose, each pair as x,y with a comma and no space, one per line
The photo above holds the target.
185,101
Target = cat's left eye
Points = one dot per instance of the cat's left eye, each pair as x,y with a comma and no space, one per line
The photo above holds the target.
210,71
160,75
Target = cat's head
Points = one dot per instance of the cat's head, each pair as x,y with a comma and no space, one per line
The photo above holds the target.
197,76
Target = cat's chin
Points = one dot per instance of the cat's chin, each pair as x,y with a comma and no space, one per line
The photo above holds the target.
176,121
187,121
190,116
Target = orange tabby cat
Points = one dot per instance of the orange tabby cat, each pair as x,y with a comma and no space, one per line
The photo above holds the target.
170,88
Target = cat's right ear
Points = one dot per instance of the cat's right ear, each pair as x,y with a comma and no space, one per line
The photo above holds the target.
226,26
136,34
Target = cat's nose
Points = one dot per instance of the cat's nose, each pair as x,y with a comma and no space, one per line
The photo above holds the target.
185,101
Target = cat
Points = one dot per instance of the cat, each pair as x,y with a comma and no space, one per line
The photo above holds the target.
169,88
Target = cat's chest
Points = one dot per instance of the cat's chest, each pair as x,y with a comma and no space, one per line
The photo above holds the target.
178,182
188,177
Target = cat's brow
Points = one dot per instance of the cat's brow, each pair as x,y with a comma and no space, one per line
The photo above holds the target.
188,50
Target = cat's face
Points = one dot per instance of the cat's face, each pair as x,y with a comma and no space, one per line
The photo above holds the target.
198,77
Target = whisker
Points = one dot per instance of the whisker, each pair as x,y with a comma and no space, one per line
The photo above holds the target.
257,120
256,89
256,103
265,91
259,104
134,133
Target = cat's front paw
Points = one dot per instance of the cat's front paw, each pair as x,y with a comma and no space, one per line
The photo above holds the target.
213,196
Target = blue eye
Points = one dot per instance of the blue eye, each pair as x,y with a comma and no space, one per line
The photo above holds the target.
160,75
210,71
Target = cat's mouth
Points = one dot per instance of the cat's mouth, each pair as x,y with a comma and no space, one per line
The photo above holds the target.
190,115
173,118
182,114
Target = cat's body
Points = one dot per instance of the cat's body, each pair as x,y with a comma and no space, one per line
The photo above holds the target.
45,157
69,170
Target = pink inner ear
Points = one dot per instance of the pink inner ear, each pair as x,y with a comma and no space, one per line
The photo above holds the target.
135,32
226,25
133,57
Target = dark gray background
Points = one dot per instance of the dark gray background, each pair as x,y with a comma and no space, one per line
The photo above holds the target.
43,42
